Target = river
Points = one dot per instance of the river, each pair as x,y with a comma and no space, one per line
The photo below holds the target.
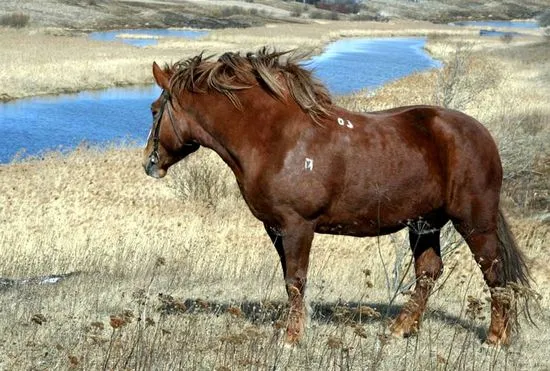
30,127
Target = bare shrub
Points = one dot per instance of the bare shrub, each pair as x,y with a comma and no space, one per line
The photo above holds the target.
229,11
463,78
297,11
369,17
544,19
15,20
204,181
523,147
319,14
507,37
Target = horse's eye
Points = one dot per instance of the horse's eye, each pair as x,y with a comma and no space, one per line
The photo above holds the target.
154,112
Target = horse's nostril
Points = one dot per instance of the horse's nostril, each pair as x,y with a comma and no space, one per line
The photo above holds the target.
151,169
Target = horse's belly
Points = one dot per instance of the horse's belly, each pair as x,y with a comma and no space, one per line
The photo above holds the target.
379,217
369,228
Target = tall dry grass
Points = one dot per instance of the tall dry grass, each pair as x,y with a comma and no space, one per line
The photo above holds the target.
177,274
168,283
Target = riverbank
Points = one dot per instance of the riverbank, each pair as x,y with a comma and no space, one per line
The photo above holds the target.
39,62
186,257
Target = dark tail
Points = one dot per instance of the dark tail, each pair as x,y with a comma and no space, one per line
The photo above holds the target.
514,269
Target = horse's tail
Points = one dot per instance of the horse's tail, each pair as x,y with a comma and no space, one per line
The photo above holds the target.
514,268
515,272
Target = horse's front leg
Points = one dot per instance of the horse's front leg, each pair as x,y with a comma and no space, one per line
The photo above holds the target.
293,245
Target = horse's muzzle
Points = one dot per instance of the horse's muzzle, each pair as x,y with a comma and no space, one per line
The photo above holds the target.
153,170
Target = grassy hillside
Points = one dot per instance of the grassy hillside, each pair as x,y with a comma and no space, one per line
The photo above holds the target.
454,10
107,14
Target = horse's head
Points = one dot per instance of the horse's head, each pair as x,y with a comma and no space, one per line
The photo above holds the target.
170,139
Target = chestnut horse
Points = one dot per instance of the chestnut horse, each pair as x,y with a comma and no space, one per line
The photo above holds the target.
305,165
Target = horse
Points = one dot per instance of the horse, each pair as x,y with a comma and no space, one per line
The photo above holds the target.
304,166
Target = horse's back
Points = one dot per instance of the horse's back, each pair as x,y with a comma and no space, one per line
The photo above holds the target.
365,174
467,154
455,136
412,162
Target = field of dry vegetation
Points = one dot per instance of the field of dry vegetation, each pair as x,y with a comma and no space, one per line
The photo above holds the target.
177,274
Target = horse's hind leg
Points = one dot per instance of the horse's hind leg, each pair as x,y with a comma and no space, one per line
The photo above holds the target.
484,245
486,232
428,267
501,262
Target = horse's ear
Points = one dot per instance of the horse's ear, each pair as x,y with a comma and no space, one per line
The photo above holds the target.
161,77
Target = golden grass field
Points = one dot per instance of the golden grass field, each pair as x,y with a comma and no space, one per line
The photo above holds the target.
177,274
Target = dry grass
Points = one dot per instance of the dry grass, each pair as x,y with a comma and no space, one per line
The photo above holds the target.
113,14
452,10
215,298
177,274
49,64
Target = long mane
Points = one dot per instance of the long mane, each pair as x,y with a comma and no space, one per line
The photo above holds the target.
233,72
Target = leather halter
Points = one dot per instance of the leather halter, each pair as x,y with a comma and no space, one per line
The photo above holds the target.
165,104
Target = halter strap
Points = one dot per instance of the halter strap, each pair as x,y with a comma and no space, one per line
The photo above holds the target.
166,100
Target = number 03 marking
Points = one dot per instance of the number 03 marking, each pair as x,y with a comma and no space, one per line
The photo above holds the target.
346,123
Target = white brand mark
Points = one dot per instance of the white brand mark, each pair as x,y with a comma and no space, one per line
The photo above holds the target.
309,164
343,122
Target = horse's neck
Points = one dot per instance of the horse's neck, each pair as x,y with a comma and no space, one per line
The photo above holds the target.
221,144
224,131
244,138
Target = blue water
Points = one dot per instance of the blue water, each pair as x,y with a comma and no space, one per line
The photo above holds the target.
31,126
350,65
496,24
157,32
121,115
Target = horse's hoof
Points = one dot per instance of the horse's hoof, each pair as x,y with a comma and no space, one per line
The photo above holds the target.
293,338
494,341
288,346
397,331
401,330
